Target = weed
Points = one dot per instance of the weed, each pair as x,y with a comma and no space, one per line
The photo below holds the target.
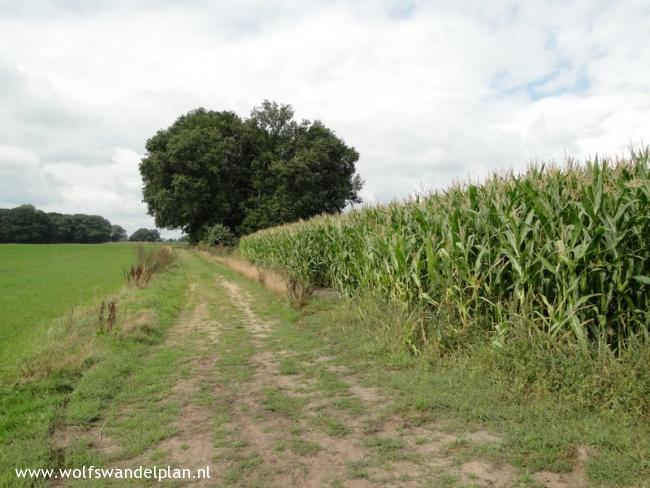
289,366
298,291
304,448
279,402
148,262
358,470
107,316
331,425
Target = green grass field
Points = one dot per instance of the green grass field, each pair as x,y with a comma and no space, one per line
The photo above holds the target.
39,283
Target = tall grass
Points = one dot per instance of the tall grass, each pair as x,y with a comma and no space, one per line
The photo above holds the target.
558,253
148,262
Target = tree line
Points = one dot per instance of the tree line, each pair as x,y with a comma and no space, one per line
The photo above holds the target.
27,224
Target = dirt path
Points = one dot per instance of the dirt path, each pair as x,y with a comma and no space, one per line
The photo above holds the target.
192,446
318,426
263,409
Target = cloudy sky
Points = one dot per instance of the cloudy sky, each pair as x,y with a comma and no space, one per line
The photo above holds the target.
428,92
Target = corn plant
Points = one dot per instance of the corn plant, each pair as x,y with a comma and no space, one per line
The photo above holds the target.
563,251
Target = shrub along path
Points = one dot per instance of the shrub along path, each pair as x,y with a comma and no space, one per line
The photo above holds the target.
247,385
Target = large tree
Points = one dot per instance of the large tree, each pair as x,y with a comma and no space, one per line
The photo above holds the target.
215,168
196,172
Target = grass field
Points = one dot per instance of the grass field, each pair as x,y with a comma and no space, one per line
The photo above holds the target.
41,282
58,359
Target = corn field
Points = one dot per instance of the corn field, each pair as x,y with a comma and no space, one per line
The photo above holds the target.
563,252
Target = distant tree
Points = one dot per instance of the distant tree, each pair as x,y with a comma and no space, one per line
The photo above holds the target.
4,225
183,238
91,228
145,235
27,224
118,233
215,168
63,227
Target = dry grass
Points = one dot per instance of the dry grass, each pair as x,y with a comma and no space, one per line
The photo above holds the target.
66,347
143,319
147,263
298,292
107,316
270,280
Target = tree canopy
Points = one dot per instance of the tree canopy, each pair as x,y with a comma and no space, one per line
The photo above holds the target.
27,224
213,167
145,235
118,233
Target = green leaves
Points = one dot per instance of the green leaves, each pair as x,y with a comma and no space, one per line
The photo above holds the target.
213,167
642,279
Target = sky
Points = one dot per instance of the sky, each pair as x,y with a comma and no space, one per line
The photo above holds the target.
428,92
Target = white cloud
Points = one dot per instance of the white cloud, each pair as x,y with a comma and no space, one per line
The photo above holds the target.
428,92
21,179
109,189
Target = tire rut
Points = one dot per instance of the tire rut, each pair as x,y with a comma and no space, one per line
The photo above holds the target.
192,446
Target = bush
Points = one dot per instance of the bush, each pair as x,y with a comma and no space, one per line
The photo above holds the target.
220,235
